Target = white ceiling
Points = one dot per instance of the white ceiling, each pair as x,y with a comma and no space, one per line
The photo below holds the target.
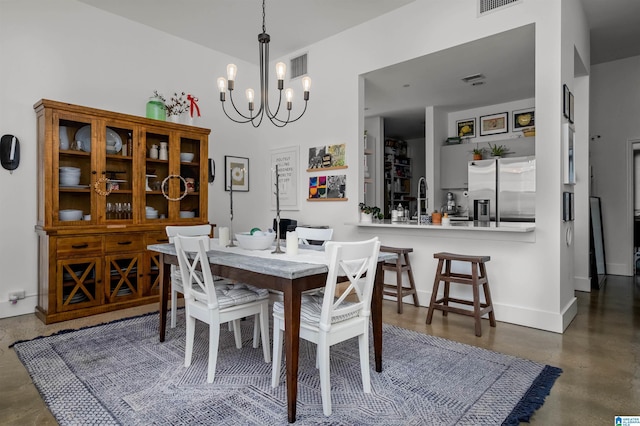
232,27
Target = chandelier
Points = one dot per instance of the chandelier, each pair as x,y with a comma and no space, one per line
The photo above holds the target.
255,118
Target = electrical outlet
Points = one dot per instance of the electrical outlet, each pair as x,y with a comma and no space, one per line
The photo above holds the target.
20,294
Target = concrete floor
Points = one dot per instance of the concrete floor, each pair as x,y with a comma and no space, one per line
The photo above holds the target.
599,353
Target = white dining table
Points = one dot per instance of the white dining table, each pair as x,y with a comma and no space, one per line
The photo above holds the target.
289,274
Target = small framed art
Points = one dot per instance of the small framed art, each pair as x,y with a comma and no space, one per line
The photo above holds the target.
524,119
236,173
466,128
494,124
566,101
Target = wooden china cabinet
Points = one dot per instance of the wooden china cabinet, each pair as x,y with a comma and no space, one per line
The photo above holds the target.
123,200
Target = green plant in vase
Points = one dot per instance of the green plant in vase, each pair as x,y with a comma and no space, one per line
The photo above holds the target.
498,150
367,213
478,152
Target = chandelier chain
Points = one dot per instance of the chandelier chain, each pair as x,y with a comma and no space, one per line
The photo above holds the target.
264,17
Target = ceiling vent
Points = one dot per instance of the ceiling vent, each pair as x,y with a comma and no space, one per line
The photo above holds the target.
473,77
298,66
486,6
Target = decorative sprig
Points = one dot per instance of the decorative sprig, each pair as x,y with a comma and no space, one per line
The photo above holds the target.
176,105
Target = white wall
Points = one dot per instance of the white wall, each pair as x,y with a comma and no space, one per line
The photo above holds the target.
531,287
68,51
615,108
119,69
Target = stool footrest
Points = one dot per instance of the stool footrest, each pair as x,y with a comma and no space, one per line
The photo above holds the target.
440,306
461,279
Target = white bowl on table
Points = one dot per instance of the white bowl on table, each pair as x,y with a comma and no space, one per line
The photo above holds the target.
255,242
70,214
187,157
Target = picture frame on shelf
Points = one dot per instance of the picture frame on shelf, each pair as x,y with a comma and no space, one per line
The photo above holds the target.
494,124
466,128
566,101
523,119
236,173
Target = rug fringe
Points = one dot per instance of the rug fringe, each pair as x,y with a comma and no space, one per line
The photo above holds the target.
69,330
534,397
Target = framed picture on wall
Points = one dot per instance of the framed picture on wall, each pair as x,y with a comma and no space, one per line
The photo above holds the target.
570,107
566,101
236,173
494,124
466,128
524,119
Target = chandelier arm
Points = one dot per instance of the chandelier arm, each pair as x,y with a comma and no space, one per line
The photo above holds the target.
298,117
246,120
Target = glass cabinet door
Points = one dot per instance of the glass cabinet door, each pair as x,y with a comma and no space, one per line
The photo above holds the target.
73,166
190,170
118,204
157,176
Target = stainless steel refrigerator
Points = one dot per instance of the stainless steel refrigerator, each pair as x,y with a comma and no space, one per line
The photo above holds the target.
508,183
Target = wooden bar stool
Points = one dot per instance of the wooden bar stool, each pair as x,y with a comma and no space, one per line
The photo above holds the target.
476,280
398,290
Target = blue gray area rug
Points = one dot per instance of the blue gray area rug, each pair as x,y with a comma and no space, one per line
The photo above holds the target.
119,373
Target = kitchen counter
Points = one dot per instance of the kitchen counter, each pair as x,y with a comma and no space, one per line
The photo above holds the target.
519,227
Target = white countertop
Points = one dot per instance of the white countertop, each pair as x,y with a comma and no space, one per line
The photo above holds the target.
455,226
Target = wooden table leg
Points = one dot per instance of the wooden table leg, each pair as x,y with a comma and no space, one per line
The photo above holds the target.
165,274
376,316
292,298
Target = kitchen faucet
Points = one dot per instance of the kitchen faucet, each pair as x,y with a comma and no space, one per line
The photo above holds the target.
419,199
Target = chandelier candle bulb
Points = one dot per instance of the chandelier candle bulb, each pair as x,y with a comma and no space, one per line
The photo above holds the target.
292,243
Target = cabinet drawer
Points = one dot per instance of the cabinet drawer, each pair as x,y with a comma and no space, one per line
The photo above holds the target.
123,242
79,246
159,237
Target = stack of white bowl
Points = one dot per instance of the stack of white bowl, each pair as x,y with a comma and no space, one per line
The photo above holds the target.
69,176
111,146
151,212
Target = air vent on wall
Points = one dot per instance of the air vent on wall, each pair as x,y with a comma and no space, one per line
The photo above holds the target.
298,66
485,6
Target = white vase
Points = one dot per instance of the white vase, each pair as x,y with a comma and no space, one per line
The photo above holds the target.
174,118
366,217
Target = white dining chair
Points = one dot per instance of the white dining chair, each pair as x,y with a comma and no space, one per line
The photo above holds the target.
313,234
176,280
326,320
216,304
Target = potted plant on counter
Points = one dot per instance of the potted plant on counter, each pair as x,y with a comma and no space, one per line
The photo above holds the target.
478,152
498,150
367,213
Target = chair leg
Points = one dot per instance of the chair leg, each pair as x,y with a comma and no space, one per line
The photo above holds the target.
434,294
363,341
190,331
325,379
236,333
214,339
264,325
277,353
399,283
487,296
412,282
174,307
476,299
256,330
